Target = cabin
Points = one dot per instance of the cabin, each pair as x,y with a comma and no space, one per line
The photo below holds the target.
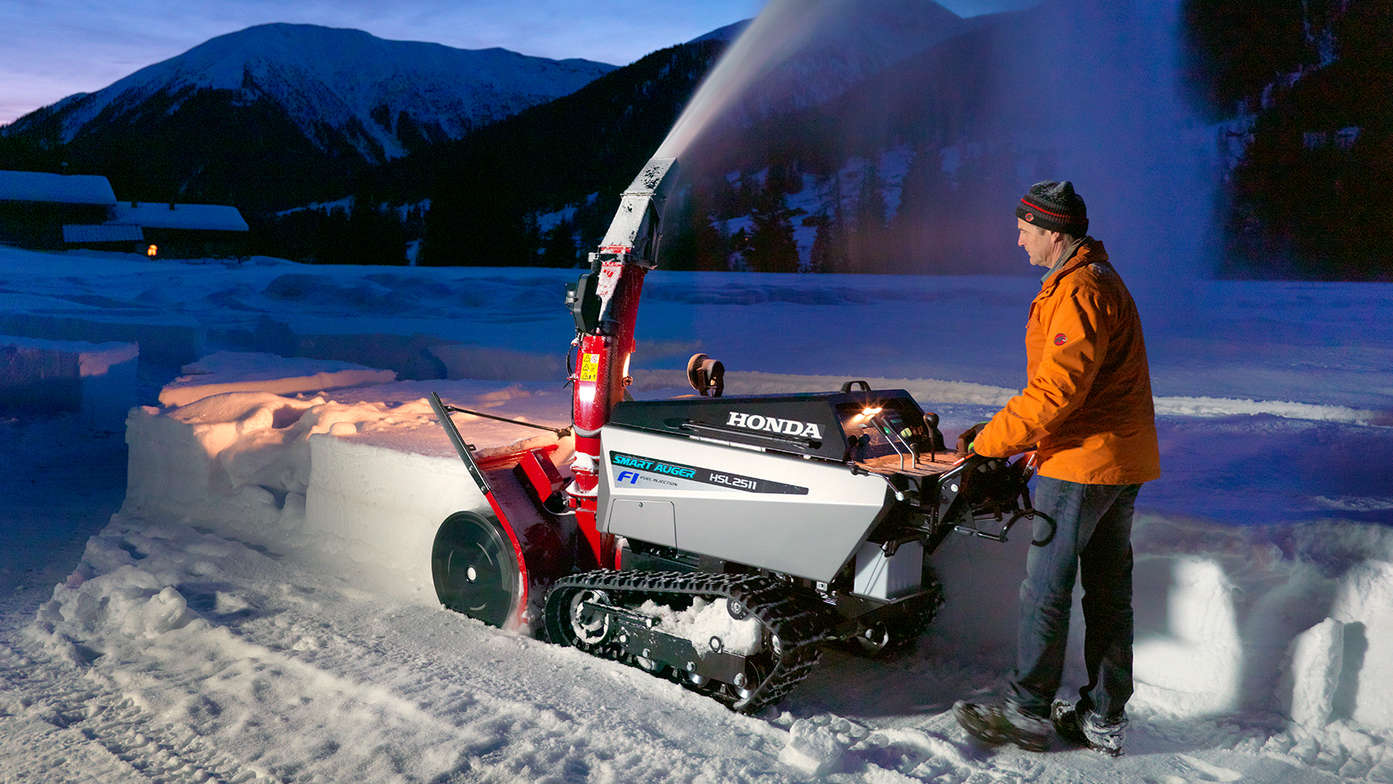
35,206
61,211
185,231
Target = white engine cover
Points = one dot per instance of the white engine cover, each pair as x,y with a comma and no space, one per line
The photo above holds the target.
784,513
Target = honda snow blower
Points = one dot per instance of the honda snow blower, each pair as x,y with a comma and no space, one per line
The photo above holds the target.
719,541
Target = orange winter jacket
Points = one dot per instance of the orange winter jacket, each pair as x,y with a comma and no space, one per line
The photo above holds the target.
1087,408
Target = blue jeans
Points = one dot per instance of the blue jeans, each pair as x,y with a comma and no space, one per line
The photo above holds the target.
1092,539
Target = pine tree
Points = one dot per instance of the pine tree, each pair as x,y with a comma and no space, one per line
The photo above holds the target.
772,247
867,228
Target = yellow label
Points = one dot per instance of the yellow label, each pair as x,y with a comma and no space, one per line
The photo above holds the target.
589,367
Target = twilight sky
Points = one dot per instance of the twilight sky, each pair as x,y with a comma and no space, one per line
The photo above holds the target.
50,49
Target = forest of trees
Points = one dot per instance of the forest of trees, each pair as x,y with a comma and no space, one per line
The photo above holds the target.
1313,195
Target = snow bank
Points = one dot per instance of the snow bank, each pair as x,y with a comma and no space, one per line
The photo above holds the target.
374,511
230,371
98,380
1221,407
817,746
1296,619
361,484
163,339
1364,605
461,361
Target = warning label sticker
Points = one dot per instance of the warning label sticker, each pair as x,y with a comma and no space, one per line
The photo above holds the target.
589,367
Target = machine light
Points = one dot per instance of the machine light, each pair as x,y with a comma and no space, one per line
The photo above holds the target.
865,415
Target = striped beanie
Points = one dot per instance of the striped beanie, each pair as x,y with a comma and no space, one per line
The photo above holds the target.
1054,206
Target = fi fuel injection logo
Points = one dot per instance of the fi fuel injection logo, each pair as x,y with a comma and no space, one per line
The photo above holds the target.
647,472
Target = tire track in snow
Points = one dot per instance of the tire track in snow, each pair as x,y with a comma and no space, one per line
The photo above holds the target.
308,680
523,709
79,729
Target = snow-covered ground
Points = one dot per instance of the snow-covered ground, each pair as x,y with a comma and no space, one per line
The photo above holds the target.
253,603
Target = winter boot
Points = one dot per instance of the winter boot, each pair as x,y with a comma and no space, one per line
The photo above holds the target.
1003,723
1090,729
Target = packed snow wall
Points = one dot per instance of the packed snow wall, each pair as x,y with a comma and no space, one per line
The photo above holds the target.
333,466
96,380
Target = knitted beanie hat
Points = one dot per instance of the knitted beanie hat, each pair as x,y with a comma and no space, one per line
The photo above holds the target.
1054,206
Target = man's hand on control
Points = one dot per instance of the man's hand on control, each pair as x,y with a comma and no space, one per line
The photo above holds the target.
968,436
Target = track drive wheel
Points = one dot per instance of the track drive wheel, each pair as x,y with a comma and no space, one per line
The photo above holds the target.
475,569
901,632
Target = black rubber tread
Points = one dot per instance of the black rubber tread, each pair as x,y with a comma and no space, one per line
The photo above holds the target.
798,617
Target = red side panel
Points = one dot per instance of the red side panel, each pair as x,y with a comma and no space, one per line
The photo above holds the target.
541,474
538,541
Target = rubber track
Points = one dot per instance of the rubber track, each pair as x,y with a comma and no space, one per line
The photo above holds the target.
801,620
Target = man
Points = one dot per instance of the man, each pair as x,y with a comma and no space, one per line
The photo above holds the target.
1088,415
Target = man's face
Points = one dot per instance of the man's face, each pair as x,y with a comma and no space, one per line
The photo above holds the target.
1042,246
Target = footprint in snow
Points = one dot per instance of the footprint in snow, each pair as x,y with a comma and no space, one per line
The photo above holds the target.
817,746
1194,768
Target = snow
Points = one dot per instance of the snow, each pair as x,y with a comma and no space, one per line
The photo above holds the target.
704,622
97,380
1317,658
62,188
233,371
204,217
547,221
250,598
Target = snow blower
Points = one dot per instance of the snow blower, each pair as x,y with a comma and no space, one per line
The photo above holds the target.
718,541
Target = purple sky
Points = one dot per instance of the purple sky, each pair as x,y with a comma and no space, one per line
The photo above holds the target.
50,49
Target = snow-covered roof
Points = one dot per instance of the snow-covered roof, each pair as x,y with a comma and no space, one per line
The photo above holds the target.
101,232
163,215
58,188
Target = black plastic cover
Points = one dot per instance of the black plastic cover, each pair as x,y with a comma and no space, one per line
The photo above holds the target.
584,302
816,424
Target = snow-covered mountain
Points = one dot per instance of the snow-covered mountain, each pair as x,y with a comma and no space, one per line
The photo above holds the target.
342,89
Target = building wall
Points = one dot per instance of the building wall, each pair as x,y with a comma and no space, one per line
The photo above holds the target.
192,244
40,225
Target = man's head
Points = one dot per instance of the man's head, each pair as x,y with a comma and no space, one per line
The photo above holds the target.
1050,216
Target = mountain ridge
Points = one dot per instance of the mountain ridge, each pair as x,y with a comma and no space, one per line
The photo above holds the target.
337,85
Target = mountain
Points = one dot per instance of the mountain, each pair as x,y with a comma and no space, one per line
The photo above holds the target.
314,102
